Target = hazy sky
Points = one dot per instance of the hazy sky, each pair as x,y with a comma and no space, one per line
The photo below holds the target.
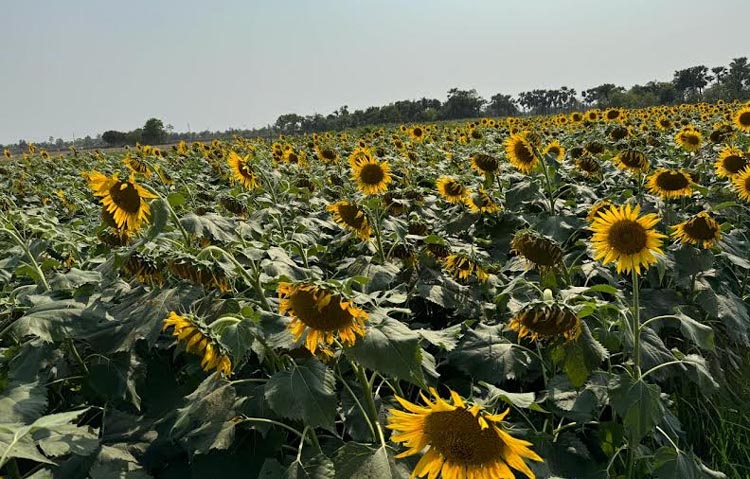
80,67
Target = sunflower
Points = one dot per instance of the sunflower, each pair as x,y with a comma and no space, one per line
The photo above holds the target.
689,138
137,165
742,118
588,165
741,184
198,340
463,441
462,266
520,152
671,183
7,153
144,269
555,149
537,250
351,217
624,237
663,123
730,162
613,114
242,171
546,320
597,209
192,270
233,205
483,163
326,154
451,189
632,160
372,176
322,313
481,202
125,200
700,230
416,133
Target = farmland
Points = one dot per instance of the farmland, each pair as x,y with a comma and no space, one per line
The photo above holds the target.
542,296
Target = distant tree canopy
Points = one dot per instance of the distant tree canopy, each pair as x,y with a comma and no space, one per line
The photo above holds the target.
693,84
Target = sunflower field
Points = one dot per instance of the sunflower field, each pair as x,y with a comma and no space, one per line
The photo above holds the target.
560,296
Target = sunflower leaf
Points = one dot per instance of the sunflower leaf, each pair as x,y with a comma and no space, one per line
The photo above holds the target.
304,392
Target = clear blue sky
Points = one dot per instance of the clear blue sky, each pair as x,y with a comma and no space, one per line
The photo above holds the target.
80,67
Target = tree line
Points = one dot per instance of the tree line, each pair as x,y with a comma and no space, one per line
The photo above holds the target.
689,85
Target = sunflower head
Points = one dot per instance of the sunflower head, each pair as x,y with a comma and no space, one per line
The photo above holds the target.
372,177
137,165
483,163
537,250
481,202
233,205
462,266
742,118
351,217
359,156
326,154
741,183
556,150
700,230
520,152
632,160
624,237
598,208
125,200
731,162
197,272
689,138
144,268
546,320
462,440
198,339
451,189
320,314
588,165
671,183
242,170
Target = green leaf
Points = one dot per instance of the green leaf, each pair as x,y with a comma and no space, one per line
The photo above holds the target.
358,461
700,334
486,355
691,260
638,403
390,348
159,218
580,356
56,319
674,464
522,400
115,462
22,402
176,199
304,392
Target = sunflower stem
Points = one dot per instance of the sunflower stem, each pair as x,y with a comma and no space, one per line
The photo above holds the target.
548,185
22,244
370,400
636,325
172,214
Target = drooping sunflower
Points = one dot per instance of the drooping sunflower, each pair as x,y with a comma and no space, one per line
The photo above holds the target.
481,202
555,149
598,208
320,313
242,170
700,230
193,270
326,154
546,320
624,237
742,118
632,160
671,183
689,138
144,268
451,189
351,217
372,176
730,162
484,163
137,165
463,441
199,340
741,183
588,165
463,266
537,250
124,199
520,152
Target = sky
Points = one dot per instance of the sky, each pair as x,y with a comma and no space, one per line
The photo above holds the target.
80,67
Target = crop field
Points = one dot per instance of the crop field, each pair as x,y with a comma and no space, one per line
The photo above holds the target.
549,296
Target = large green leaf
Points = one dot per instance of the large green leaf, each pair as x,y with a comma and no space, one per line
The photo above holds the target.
638,403
486,355
305,392
359,461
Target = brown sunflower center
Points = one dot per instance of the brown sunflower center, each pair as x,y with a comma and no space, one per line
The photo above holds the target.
691,139
548,320
327,318
627,237
744,118
672,180
293,158
734,163
125,196
613,114
454,188
417,132
702,229
328,154
538,250
371,174
247,171
459,438
554,150
351,215
633,159
522,152
486,162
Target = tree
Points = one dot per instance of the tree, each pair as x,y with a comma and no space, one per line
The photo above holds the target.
501,105
153,132
690,82
600,96
462,104
115,138
289,124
